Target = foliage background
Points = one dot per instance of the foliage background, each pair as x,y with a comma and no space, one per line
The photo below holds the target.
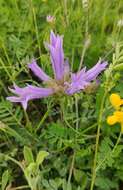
49,124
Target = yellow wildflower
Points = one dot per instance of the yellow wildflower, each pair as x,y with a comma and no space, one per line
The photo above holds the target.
116,101
117,116
111,120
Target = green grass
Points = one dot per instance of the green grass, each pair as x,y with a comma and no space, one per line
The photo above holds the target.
66,127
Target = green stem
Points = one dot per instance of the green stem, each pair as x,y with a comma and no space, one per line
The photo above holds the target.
73,158
6,54
118,140
20,187
20,165
6,70
89,128
97,141
44,117
71,170
15,161
65,12
28,123
86,37
36,27
67,123
106,90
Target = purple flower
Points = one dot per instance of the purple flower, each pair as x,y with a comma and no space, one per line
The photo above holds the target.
29,93
64,81
50,19
83,78
38,71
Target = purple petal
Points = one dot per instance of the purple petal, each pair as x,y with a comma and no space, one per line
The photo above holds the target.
57,55
83,78
95,71
76,87
78,82
38,71
29,93
80,76
53,39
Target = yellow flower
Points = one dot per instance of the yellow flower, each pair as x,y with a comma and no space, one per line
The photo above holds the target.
117,116
111,120
116,101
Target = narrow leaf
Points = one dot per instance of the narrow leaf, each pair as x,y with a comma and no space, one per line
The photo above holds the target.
5,179
41,156
28,156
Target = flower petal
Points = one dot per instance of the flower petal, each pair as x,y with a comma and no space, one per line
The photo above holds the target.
79,76
83,78
29,93
38,71
57,55
53,38
96,70
76,87
115,100
111,120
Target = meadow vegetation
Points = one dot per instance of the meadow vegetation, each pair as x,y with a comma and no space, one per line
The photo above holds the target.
62,142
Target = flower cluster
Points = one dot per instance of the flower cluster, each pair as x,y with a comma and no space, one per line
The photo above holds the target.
117,116
64,80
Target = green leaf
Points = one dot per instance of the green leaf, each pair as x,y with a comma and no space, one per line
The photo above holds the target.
80,177
118,67
41,156
69,186
20,134
28,156
105,157
103,182
45,183
31,169
53,184
5,179
58,130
